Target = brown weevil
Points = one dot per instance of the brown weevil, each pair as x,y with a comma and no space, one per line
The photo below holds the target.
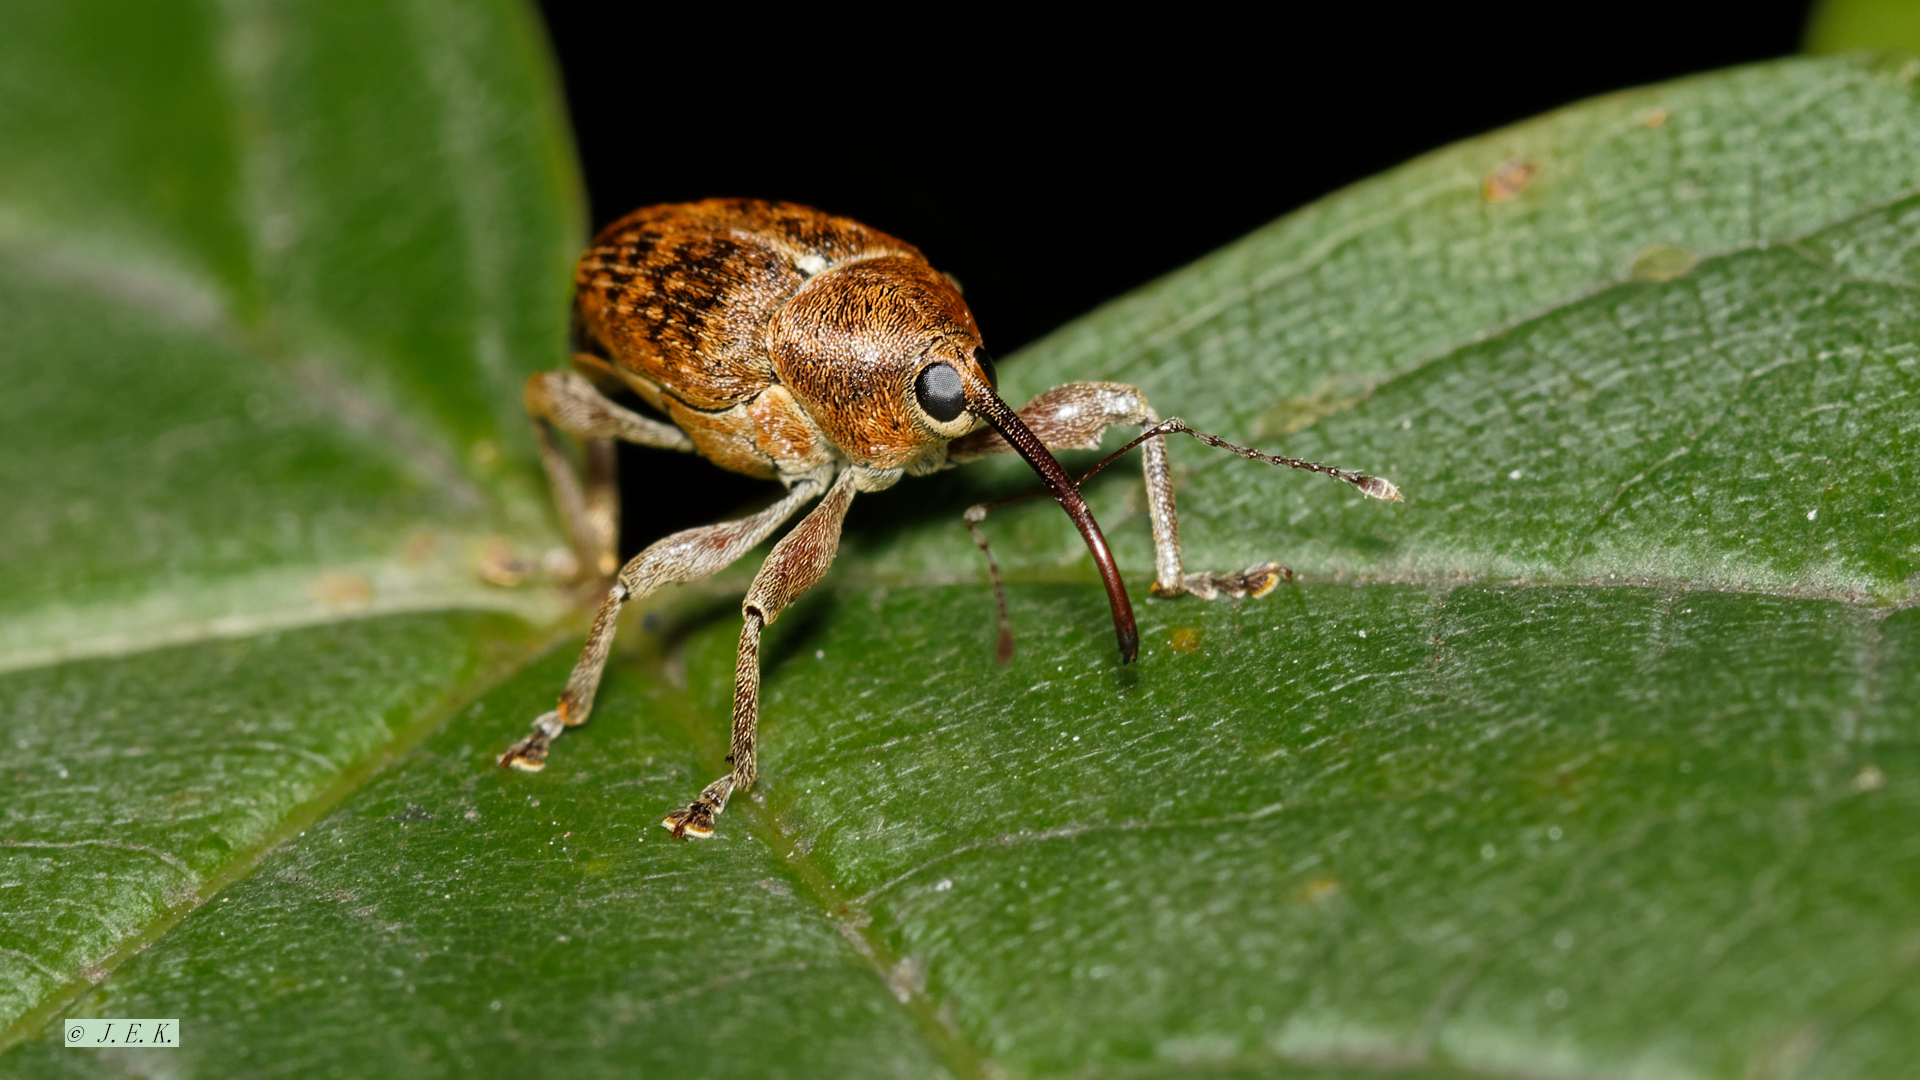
784,343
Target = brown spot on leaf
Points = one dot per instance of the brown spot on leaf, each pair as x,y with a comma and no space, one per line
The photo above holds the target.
420,547
500,565
1507,181
339,589
1653,118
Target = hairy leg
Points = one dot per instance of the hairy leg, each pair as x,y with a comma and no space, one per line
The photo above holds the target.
567,401
684,556
797,563
1073,417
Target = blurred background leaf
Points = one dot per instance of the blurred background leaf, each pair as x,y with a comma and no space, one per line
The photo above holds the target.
1842,25
269,279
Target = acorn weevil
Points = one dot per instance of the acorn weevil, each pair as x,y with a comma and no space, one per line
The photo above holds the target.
784,343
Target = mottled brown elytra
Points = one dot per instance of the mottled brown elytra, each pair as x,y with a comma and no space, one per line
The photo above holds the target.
785,343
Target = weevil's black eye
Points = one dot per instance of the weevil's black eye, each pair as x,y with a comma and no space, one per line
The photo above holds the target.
940,392
985,360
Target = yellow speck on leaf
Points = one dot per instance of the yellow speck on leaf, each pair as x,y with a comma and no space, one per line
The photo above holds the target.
1185,639
1661,262
1318,889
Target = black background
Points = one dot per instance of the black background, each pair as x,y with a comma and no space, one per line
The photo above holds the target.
1053,165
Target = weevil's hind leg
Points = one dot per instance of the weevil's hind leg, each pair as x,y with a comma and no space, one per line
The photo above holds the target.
567,401
1073,417
797,563
684,556
1171,578
591,513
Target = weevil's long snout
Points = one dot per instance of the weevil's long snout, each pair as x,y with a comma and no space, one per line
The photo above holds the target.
984,403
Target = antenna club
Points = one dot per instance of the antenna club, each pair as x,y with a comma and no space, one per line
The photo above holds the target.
1380,489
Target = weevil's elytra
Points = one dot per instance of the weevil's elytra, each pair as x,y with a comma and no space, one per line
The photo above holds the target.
785,343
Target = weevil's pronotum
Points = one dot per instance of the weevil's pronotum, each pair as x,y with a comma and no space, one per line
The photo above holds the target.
784,343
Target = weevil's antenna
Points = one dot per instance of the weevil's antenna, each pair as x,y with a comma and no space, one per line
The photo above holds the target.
1373,486
984,403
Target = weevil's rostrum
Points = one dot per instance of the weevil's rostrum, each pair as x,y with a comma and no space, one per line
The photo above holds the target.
788,344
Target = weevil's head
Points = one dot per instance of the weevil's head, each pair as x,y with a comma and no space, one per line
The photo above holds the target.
885,357
879,353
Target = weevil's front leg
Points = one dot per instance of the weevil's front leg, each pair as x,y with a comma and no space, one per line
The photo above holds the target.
566,400
684,556
797,563
1073,417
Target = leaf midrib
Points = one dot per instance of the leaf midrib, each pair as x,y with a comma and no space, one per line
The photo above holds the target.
1900,596
243,862
424,452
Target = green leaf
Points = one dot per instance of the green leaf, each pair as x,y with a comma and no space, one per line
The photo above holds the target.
269,278
1595,757
1841,25
1548,410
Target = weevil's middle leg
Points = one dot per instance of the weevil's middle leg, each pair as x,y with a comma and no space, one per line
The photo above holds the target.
797,563
684,556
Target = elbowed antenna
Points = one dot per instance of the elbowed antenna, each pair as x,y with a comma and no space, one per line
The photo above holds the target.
985,404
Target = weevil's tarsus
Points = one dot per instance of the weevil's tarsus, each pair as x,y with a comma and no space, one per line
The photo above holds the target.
986,404
1255,581
696,818
530,753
